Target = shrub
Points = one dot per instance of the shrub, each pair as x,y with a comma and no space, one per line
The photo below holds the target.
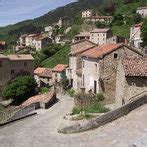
83,95
100,96
71,92
20,89
44,90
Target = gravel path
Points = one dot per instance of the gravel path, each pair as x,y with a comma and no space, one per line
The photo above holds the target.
41,130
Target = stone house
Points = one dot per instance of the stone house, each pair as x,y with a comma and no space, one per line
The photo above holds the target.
116,39
58,73
87,13
81,36
131,79
142,11
74,68
64,22
22,40
12,65
103,19
43,76
135,35
42,42
30,40
100,36
99,67
2,45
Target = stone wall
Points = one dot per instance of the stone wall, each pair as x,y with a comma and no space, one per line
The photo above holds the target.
108,70
106,118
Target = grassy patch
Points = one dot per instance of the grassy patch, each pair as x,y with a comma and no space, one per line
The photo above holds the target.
60,57
1,108
44,90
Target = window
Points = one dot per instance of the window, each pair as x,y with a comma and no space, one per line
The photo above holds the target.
95,67
12,71
83,80
103,34
55,74
115,55
83,64
25,64
97,34
1,64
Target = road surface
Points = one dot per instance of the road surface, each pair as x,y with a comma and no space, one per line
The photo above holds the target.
41,130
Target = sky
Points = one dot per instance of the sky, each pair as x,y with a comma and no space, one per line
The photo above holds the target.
13,11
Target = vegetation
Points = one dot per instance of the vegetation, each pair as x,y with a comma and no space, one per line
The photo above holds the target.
1,108
71,92
44,90
20,89
60,57
144,32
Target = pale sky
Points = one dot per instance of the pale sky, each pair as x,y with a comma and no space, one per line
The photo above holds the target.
13,11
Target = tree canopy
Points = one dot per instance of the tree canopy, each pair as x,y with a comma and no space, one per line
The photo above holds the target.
144,32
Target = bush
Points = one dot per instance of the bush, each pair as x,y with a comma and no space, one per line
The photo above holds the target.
20,89
76,111
83,95
100,96
44,90
71,92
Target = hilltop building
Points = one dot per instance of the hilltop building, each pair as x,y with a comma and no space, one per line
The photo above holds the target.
142,11
87,13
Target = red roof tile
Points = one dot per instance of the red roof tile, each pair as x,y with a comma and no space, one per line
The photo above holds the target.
97,52
135,67
43,72
59,68
103,30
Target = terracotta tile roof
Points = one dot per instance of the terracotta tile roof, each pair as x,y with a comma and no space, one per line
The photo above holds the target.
39,98
24,35
59,68
32,35
20,57
2,42
138,25
102,17
41,38
135,67
43,72
139,8
81,49
100,51
83,34
103,30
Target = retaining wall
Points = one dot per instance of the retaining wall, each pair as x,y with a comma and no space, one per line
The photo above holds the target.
106,118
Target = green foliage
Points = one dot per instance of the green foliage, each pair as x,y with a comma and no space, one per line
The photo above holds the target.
76,111
100,24
65,83
44,90
60,57
144,32
118,19
20,89
71,92
1,108
100,96
96,108
83,95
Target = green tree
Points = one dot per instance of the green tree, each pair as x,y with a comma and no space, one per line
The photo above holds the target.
144,32
20,89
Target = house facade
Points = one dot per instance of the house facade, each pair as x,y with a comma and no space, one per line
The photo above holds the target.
131,80
135,35
2,45
81,36
30,40
64,22
22,40
87,13
98,69
100,36
142,11
12,65
58,73
116,39
73,72
43,76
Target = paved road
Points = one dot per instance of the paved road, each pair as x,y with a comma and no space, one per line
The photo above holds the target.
41,130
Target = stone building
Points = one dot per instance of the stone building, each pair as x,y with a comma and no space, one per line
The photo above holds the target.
42,42
81,36
73,71
22,40
142,11
87,13
135,35
12,65
58,73
29,39
64,22
131,79
100,36
2,45
99,67
116,39
43,76
103,19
